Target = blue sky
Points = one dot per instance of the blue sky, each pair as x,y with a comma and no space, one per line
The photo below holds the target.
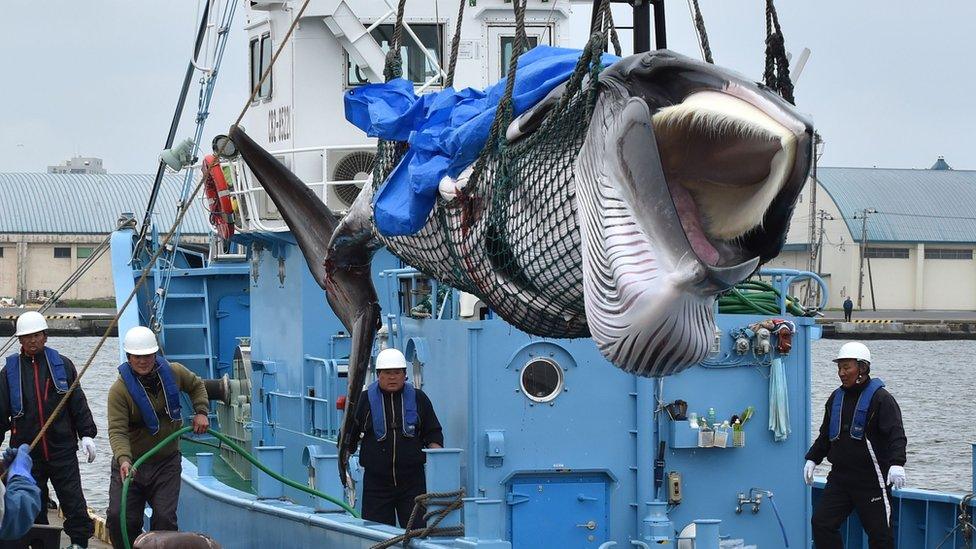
889,84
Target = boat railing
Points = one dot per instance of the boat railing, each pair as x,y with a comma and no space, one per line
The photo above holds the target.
783,281
923,518
257,213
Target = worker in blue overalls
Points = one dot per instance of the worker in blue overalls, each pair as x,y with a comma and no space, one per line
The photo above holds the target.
863,437
33,383
395,421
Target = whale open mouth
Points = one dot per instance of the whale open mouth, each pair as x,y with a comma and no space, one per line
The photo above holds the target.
725,161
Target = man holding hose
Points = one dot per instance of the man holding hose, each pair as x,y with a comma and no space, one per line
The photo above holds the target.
143,409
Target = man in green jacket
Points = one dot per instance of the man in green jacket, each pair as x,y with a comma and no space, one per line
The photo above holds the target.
143,409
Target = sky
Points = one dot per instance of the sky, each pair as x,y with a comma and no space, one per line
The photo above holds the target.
888,84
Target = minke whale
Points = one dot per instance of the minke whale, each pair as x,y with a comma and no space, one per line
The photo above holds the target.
684,185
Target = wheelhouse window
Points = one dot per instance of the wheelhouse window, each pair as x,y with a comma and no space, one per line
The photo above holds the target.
948,253
416,66
507,45
62,253
260,57
886,253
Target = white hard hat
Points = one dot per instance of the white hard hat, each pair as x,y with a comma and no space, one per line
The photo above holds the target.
30,322
390,359
856,350
140,341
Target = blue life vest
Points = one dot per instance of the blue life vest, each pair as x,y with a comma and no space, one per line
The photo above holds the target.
55,365
860,419
171,393
378,410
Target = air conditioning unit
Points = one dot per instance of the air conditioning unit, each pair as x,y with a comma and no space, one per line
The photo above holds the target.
348,170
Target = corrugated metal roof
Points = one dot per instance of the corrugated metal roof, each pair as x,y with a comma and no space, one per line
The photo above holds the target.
913,205
88,203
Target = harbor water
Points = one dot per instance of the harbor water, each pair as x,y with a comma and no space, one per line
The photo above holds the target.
931,380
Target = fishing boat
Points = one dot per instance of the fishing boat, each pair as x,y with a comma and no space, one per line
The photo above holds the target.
546,443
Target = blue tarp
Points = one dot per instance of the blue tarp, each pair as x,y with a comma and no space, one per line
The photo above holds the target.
446,130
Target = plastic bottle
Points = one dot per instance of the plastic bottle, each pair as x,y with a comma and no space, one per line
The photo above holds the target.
693,420
711,416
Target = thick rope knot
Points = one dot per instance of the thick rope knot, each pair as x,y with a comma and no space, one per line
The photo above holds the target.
440,504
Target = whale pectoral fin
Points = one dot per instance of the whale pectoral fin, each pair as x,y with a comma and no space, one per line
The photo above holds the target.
306,215
363,330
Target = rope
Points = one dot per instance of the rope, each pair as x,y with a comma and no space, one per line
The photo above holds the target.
394,63
777,73
207,85
430,499
503,114
963,521
503,110
702,33
609,28
603,22
274,58
142,279
455,44
236,448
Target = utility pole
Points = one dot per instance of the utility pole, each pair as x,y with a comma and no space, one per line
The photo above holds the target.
864,237
814,251
822,215
811,295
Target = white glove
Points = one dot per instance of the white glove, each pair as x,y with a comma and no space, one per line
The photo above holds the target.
88,445
896,476
808,472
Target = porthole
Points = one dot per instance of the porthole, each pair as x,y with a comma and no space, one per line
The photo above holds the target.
541,380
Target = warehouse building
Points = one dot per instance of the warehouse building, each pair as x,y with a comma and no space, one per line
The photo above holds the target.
52,222
919,226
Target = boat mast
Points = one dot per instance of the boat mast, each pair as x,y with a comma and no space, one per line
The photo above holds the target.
174,125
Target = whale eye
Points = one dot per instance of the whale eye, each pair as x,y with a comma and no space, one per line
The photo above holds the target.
542,380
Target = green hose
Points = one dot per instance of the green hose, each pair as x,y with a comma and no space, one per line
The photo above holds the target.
233,446
757,297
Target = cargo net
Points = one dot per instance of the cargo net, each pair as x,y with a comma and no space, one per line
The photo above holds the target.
511,235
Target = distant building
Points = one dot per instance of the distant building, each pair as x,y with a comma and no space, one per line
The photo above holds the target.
920,235
50,223
79,165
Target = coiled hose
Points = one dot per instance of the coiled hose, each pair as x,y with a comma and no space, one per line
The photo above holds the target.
233,446
758,297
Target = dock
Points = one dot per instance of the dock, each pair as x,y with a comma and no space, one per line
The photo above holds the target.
63,322
98,541
900,324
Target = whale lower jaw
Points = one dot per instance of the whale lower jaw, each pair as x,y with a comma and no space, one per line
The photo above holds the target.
662,331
